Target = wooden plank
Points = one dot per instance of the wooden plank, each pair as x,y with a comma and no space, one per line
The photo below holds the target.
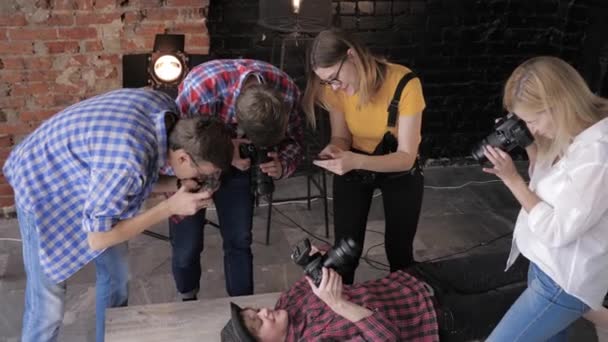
180,321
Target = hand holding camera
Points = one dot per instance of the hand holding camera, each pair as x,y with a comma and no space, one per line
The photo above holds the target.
261,183
340,258
186,203
238,161
509,132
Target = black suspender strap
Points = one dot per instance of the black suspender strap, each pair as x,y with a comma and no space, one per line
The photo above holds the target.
393,107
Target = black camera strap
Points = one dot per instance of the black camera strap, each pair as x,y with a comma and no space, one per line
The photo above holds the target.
393,107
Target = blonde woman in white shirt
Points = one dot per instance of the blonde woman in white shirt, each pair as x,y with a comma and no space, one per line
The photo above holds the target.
562,227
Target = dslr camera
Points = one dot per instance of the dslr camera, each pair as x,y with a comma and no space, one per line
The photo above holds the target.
509,132
340,258
261,183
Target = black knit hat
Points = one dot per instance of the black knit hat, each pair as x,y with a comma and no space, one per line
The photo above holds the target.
235,330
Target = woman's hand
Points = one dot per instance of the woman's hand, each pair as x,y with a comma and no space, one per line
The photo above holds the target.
330,288
272,168
341,163
503,166
329,152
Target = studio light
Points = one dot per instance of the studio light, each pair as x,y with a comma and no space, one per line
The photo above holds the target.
167,69
164,68
168,62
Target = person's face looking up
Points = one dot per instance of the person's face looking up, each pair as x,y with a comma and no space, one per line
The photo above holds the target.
267,324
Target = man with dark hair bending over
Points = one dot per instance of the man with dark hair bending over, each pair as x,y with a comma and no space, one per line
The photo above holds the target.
454,299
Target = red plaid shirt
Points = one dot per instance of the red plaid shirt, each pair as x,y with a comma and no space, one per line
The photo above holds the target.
212,89
402,306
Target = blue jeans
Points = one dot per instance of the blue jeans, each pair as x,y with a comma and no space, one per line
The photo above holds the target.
234,204
543,312
44,299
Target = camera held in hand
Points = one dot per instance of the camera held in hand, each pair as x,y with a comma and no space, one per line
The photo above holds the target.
340,258
261,183
509,132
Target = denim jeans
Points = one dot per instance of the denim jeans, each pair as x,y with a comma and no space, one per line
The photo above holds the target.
543,312
234,204
44,299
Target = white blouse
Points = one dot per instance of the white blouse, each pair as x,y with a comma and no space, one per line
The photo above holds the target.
566,234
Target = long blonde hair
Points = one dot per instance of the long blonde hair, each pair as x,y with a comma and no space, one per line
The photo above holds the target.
550,84
327,49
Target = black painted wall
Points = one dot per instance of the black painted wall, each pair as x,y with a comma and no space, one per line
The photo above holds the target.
463,50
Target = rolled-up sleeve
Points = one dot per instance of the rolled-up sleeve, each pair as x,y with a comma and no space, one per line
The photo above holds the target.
581,203
112,196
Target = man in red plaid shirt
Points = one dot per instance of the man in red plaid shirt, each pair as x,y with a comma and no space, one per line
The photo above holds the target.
260,103
457,299
394,308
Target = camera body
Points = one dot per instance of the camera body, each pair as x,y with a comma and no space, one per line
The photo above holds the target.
340,258
509,132
261,183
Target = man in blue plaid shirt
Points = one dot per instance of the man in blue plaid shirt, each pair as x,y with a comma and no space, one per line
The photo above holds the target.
80,181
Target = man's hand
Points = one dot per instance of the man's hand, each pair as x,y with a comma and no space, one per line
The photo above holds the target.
237,161
330,288
273,168
187,203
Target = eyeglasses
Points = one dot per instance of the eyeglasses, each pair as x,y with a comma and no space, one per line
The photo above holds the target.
203,181
335,81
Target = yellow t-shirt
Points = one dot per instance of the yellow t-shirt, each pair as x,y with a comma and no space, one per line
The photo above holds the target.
368,123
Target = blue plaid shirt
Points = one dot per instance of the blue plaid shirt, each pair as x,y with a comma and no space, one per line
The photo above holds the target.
86,168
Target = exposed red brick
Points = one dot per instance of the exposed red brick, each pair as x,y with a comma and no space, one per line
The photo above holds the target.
16,48
4,152
11,76
12,20
31,88
93,46
6,201
6,140
37,63
198,41
19,128
12,102
60,19
189,28
38,115
84,4
96,18
188,3
157,14
63,47
105,4
77,33
33,34
13,63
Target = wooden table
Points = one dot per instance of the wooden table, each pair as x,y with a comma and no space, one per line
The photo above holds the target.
199,321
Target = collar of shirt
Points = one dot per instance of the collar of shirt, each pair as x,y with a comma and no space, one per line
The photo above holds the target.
594,133
162,137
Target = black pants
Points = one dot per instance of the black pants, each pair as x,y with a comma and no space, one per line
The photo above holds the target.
472,293
402,197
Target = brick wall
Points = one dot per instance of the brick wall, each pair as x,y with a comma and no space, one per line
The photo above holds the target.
54,53
463,50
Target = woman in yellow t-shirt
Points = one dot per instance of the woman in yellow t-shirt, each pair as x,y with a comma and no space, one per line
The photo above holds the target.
356,88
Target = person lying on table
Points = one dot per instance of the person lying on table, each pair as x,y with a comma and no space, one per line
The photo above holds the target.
453,300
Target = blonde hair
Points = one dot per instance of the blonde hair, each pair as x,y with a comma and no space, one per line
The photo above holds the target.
550,84
327,49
